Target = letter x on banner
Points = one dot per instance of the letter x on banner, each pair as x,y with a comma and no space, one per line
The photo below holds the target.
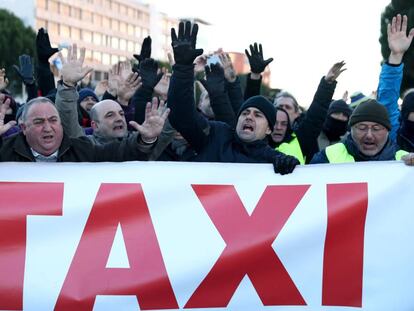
200,236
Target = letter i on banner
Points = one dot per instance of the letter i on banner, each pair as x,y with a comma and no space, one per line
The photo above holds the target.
248,248
17,201
88,276
344,245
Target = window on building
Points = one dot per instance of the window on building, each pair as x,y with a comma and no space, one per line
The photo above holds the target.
87,36
115,43
105,76
75,33
138,32
97,38
40,23
64,31
137,47
97,75
131,12
123,27
52,28
107,3
144,32
131,47
130,30
114,59
122,45
115,7
88,54
106,22
97,56
64,9
123,10
106,59
41,4
115,25
53,6
75,13
97,19
86,16
105,40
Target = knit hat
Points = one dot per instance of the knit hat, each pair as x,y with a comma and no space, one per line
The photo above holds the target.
85,92
358,98
264,105
339,106
372,111
407,105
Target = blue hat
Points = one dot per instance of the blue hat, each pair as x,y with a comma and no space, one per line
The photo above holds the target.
358,98
85,92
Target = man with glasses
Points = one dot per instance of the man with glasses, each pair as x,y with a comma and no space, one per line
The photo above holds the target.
368,141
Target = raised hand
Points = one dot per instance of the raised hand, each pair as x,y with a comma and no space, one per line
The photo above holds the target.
335,71
4,106
214,82
150,73
256,60
161,89
25,71
155,115
72,70
3,80
145,50
229,72
398,41
128,87
43,48
184,45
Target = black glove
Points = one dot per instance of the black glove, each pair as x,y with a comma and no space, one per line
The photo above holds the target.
184,45
26,69
148,71
214,82
285,164
144,54
257,63
43,48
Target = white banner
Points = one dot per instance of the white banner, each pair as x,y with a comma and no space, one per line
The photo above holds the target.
168,236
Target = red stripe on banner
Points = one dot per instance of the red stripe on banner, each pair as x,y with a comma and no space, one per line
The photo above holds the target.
248,248
88,276
344,244
19,200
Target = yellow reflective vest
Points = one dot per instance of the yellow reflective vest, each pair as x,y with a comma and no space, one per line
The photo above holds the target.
292,148
337,153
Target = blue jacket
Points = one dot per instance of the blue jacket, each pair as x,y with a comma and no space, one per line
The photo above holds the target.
388,93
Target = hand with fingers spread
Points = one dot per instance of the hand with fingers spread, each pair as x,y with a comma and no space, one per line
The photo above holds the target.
229,72
335,71
4,82
128,87
161,89
214,82
150,73
4,106
184,45
156,114
25,71
398,41
43,47
200,62
256,60
72,70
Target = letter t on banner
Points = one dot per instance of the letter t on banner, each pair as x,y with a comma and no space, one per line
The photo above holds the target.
88,276
17,201
248,246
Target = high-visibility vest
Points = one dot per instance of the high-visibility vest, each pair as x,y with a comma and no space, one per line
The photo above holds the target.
337,153
292,148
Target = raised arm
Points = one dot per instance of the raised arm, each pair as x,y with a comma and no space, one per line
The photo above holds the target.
44,50
391,74
184,117
67,96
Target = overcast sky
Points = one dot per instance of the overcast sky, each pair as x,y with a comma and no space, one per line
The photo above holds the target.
304,37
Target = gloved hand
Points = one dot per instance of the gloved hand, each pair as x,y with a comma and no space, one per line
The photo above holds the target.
285,164
257,63
145,53
214,82
149,73
184,45
25,71
43,48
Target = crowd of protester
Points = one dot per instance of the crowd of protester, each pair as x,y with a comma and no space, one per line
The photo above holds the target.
143,112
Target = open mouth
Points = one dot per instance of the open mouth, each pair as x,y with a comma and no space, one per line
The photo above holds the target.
248,127
118,128
48,137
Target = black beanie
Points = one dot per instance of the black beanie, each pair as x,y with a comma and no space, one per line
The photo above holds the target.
407,105
372,111
339,106
264,105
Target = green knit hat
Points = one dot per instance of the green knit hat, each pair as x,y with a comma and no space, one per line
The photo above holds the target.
372,111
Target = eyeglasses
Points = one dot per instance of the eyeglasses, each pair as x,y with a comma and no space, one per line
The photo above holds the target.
364,128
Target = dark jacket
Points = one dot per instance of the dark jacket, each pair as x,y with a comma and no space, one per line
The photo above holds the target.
81,149
387,153
212,140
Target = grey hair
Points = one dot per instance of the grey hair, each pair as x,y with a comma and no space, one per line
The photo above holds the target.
287,95
32,102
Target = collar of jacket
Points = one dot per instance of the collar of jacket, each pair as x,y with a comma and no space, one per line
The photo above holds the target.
387,153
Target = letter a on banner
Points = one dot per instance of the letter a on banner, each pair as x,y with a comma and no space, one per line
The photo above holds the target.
344,245
248,246
17,201
88,276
